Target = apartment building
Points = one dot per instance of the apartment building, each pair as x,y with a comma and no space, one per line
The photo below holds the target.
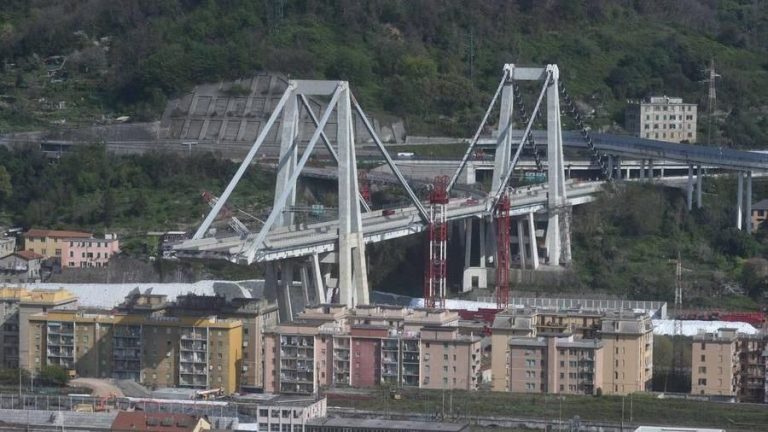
332,346
662,118
15,305
727,363
7,246
289,413
21,267
628,352
157,351
571,351
73,249
715,363
554,363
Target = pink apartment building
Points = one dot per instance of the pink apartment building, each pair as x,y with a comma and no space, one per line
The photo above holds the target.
91,252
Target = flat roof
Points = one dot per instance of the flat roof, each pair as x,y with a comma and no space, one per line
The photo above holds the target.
382,424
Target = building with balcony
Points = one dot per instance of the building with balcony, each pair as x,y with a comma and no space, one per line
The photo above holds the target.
571,351
731,364
157,351
662,118
332,346
15,305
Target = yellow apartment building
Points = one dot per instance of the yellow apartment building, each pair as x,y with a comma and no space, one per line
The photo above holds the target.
715,363
195,352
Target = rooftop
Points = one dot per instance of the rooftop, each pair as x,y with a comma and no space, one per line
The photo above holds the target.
155,422
760,205
380,425
34,232
28,255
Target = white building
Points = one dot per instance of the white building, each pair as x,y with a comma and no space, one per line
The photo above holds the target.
662,118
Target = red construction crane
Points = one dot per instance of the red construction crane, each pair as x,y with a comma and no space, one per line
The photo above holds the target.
434,276
502,252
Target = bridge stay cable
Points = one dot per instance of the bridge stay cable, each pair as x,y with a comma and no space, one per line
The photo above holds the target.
596,155
328,146
244,165
252,245
476,137
414,199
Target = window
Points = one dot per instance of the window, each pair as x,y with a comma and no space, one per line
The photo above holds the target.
703,357
702,381
702,369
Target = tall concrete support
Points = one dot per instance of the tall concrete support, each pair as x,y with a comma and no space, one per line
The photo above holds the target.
503,157
610,167
317,279
642,168
353,279
617,162
532,242
521,242
650,169
289,151
556,180
467,243
482,232
739,199
689,188
748,198
699,181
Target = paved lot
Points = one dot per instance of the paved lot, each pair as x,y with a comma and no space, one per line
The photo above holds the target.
100,387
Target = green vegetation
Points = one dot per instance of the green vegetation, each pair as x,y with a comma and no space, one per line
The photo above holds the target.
641,408
433,63
89,189
53,375
626,244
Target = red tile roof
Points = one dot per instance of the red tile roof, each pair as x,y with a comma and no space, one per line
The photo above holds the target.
29,255
154,422
34,232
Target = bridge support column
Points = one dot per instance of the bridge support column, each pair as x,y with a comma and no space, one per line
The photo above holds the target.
699,181
748,198
642,168
556,181
503,157
618,167
610,166
317,279
739,199
481,234
650,169
532,242
353,277
689,188
468,243
521,242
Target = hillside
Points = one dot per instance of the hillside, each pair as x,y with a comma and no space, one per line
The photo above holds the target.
431,62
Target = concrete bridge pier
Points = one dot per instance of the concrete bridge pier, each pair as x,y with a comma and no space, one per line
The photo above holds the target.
650,169
699,181
689,188
748,197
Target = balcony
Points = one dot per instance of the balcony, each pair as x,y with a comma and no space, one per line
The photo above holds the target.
192,359
188,345
194,335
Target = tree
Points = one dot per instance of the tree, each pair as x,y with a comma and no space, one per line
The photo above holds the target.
754,277
54,375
